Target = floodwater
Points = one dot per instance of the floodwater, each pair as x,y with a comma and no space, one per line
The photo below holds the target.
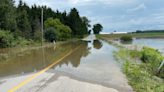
153,42
92,61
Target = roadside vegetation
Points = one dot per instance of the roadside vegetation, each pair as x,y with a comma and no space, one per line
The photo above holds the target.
140,67
21,25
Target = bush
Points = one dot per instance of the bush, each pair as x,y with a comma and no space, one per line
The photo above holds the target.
126,38
51,34
17,33
153,57
6,39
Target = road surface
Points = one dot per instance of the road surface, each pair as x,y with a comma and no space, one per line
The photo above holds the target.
94,73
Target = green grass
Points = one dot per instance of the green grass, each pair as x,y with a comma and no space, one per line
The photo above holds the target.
98,36
140,75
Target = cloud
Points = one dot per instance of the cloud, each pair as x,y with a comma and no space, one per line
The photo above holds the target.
123,16
141,7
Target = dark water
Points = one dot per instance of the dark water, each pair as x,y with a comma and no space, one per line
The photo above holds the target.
93,60
153,42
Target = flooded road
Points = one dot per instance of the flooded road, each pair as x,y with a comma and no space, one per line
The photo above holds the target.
92,63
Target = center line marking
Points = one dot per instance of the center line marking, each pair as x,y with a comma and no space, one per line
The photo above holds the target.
13,89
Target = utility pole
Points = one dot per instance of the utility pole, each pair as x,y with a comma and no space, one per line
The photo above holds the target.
42,26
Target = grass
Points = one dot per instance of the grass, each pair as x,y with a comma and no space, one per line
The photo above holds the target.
98,36
140,75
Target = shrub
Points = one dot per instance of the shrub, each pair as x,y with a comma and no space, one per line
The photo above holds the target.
17,33
126,38
6,38
153,57
51,34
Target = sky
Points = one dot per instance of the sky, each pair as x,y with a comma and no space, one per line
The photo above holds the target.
113,15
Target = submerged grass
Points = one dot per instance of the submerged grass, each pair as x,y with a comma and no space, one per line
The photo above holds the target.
140,75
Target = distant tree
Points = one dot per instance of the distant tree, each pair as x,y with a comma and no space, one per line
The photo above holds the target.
97,28
7,15
64,31
89,32
138,31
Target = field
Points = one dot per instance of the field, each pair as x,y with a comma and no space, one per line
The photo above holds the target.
117,36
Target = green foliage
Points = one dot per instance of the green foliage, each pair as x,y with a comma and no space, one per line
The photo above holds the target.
78,25
141,75
98,36
17,33
51,34
126,38
7,13
64,31
153,57
97,28
37,36
23,24
6,38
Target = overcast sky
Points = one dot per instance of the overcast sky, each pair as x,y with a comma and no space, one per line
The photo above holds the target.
119,15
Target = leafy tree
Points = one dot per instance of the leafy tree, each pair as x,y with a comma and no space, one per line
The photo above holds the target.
86,23
75,23
7,13
51,34
64,31
97,28
6,39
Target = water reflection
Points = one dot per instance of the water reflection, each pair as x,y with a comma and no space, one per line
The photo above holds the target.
38,60
97,44
126,42
75,57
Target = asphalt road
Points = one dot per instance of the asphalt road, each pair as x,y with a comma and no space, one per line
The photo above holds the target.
52,80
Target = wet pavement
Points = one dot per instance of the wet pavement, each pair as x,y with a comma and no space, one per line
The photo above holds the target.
90,68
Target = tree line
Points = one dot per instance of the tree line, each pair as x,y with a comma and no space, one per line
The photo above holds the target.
22,24
149,31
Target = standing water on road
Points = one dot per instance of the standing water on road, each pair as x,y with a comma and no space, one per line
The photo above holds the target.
93,62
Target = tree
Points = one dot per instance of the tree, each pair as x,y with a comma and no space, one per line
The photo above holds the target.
89,32
75,23
86,23
7,13
64,31
51,34
6,39
97,28
23,24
